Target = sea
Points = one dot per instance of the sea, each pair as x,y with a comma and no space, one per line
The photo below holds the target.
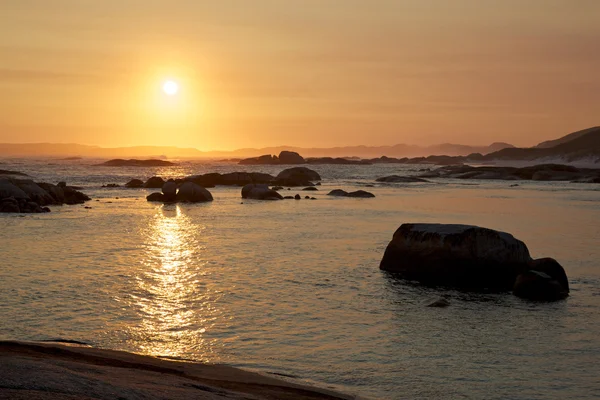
293,288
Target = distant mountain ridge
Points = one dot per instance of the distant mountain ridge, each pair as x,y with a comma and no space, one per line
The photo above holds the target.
398,150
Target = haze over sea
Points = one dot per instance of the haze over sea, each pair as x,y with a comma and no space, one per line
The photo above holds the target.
294,287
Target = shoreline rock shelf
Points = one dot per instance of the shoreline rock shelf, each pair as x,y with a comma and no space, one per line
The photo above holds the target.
472,258
27,196
358,193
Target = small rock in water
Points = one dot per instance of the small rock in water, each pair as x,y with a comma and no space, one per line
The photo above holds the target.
439,303
88,207
307,197
297,197
289,197
514,185
313,198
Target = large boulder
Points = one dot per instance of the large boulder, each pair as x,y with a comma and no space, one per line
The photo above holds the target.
9,205
297,176
156,182
57,192
291,157
73,196
260,192
544,279
462,256
190,192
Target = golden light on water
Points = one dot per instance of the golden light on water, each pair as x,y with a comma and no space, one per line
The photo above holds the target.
175,312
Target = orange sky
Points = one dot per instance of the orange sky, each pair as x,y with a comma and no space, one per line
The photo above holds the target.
310,73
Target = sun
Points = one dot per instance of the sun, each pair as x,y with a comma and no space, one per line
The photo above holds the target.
170,88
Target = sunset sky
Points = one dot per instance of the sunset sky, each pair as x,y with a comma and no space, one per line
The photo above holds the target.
311,73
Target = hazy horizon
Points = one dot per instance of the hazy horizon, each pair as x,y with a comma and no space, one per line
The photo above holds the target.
308,74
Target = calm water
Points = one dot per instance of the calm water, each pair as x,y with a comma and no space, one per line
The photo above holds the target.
293,287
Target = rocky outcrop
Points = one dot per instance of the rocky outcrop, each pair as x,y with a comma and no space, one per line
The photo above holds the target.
118,162
187,192
543,172
135,183
260,192
359,193
155,182
400,179
474,258
297,176
27,196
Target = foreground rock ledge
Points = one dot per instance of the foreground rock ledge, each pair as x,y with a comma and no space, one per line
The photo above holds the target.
474,258
30,370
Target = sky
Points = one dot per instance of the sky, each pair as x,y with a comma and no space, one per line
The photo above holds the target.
310,73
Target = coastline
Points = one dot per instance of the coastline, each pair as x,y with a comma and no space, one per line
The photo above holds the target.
50,370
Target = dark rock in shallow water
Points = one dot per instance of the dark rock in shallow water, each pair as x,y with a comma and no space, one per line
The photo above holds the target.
156,182
310,188
135,183
536,285
338,192
156,197
289,197
307,197
26,196
360,194
297,197
400,179
456,255
118,162
544,279
260,192
297,176
111,185
343,193
277,188
190,192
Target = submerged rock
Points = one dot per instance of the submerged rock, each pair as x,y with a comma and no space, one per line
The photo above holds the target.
157,197
310,188
456,255
338,192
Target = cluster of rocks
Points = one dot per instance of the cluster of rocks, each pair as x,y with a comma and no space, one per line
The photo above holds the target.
542,172
472,258
291,177
259,191
358,193
285,157
27,196
186,192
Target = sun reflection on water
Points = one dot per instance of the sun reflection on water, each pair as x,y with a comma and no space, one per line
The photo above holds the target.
174,305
